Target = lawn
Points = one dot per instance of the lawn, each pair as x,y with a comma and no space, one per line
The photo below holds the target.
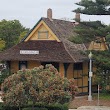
102,96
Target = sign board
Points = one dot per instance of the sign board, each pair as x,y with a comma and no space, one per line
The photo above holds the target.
29,52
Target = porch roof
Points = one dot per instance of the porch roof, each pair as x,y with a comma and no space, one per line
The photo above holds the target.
49,51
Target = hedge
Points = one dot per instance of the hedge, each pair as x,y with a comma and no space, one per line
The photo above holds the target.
38,106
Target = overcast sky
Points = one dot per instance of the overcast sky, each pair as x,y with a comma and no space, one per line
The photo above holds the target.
28,12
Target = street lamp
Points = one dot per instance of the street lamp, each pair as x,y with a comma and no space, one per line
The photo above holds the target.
90,75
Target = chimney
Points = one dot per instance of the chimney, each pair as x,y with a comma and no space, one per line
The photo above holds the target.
77,17
49,14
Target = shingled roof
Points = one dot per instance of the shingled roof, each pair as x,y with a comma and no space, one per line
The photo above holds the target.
61,28
48,51
64,51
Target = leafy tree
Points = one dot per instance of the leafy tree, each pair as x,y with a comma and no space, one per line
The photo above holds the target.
44,85
2,44
90,31
22,34
10,31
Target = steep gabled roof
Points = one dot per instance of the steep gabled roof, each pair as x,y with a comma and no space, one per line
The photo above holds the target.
63,30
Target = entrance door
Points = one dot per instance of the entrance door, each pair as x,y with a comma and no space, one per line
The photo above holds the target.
81,77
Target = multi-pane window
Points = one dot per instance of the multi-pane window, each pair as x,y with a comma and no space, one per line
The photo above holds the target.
78,66
43,34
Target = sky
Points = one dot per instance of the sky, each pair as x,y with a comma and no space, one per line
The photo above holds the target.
28,12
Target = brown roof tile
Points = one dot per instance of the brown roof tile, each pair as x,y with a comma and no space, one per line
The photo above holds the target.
65,51
48,51
62,29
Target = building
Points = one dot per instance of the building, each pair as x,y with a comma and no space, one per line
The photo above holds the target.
47,43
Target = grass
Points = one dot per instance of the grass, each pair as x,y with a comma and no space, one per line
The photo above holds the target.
103,96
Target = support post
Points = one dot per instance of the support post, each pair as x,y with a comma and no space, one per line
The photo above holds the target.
66,65
90,77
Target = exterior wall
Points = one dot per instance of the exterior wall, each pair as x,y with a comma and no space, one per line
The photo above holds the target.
70,71
85,77
61,69
14,66
98,46
42,28
32,64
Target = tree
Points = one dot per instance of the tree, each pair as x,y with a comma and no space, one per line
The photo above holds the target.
94,7
22,34
37,85
2,44
90,31
10,32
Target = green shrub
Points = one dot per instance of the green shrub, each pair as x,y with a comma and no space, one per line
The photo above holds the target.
36,108
4,107
4,74
35,85
1,106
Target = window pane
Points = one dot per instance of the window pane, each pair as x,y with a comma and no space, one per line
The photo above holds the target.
43,34
78,66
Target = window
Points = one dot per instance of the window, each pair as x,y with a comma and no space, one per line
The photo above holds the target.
78,66
43,34
55,64
22,65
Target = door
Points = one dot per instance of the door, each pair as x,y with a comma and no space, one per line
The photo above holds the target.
81,77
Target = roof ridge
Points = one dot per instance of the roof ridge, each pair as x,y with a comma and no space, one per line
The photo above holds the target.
68,52
57,19
53,25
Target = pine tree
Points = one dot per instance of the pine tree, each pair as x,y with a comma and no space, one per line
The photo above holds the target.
94,7
89,31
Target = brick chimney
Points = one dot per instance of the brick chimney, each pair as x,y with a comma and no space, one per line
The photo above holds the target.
49,14
77,17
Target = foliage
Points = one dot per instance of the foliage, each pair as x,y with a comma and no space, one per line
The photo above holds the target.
2,44
22,34
94,7
35,86
101,62
94,31
36,107
4,74
90,31
4,107
48,107
10,31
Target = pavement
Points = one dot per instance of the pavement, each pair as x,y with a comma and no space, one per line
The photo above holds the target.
92,108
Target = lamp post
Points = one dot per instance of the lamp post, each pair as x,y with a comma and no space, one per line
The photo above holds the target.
90,76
